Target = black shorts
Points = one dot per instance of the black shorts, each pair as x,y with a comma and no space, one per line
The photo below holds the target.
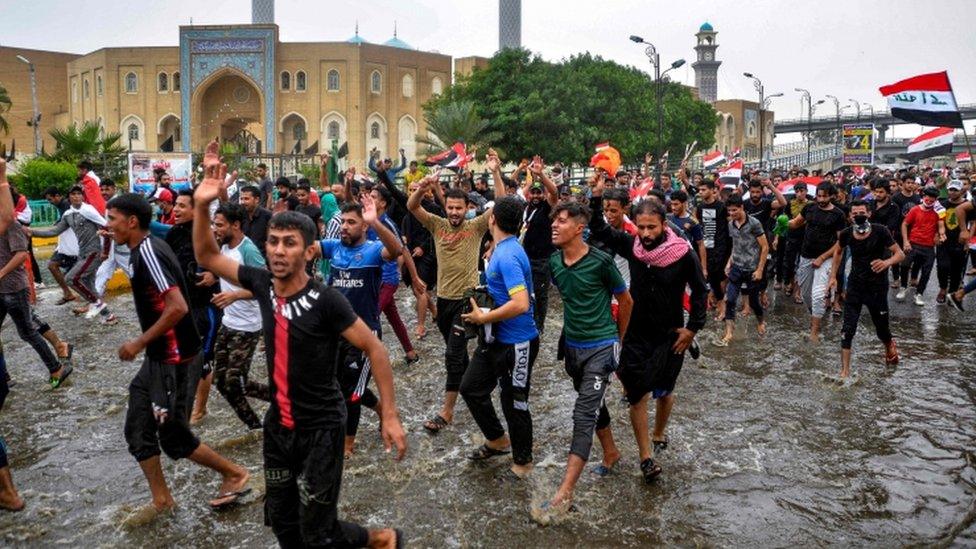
169,386
427,270
65,261
649,367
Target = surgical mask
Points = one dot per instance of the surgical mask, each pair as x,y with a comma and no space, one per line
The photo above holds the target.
861,225
469,214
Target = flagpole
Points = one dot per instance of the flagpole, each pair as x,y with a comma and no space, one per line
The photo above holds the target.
965,135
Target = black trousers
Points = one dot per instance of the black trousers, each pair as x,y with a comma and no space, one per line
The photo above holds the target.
303,473
162,386
791,258
541,280
716,271
456,342
510,367
876,300
922,259
354,372
950,266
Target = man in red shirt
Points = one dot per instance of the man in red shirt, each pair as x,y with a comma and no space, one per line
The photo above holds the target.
89,182
921,230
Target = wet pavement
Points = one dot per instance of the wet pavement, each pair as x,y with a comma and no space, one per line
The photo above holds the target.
764,450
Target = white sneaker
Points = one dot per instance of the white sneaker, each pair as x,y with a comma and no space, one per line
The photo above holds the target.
94,310
900,296
39,286
919,301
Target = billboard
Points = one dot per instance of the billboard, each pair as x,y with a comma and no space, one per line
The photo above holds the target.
858,145
142,166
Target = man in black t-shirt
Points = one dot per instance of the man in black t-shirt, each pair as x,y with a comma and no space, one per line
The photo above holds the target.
823,220
873,251
714,218
304,428
886,212
161,394
537,237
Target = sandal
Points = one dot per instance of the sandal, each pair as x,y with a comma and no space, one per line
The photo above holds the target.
602,470
435,424
226,499
661,445
71,351
64,300
484,452
59,381
650,470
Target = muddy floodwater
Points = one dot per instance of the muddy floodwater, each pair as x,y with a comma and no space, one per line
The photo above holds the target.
764,451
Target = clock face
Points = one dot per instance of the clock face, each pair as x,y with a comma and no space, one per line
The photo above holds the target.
708,56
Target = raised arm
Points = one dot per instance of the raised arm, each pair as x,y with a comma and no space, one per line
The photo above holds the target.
204,245
6,199
552,193
780,201
495,167
324,182
391,244
413,203
620,242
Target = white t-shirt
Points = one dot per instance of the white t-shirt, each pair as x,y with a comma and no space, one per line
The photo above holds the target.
243,315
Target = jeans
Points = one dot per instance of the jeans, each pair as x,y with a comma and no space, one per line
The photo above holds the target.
17,306
738,276
921,259
456,342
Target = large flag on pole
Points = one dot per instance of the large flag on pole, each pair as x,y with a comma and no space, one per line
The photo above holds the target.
963,157
713,159
731,175
926,99
936,142
455,157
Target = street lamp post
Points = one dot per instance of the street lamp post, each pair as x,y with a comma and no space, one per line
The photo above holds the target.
762,101
655,59
36,119
871,110
857,105
837,109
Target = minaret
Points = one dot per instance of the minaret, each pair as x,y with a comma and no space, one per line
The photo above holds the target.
262,12
706,66
509,24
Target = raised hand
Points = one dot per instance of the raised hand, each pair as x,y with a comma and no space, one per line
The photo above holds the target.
492,161
369,209
325,159
214,172
536,166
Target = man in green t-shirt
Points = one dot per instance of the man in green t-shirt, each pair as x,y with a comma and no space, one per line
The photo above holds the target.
586,278
330,205
457,241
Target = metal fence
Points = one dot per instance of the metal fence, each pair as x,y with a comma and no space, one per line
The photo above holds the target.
43,213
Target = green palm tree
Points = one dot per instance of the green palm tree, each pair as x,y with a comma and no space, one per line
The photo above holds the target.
448,123
75,143
4,107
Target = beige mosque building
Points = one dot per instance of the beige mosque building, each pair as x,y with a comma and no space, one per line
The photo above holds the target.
238,82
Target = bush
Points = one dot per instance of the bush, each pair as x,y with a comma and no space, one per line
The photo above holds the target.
34,176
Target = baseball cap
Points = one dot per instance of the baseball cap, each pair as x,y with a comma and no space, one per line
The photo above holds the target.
164,195
954,185
536,185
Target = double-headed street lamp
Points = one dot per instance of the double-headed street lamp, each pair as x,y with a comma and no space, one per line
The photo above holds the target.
837,109
36,120
762,106
857,105
655,58
811,106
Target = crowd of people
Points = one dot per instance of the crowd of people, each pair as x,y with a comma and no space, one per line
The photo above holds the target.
640,259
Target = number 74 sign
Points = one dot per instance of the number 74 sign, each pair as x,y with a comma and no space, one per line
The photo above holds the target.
858,145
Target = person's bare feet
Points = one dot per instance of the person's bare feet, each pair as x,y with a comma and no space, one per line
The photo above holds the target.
62,349
522,471
761,328
11,501
611,459
382,539
197,416
814,338
233,484
349,447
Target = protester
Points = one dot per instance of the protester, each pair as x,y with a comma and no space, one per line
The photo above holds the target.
747,266
921,230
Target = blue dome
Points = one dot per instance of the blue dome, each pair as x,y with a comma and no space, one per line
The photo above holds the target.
357,40
706,27
397,43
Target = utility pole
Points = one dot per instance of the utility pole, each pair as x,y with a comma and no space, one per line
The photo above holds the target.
36,119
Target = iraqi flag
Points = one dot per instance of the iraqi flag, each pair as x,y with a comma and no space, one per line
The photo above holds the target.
456,157
731,175
736,154
963,157
712,159
936,142
926,99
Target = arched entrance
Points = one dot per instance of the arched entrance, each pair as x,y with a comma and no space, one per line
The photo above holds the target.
227,105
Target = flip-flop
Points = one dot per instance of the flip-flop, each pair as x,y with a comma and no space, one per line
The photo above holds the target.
234,497
484,452
650,470
602,470
64,300
435,424
661,445
59,381
71,351
720,342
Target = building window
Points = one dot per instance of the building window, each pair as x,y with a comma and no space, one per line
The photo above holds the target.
332,81
407,85
131,83
133,131
376,82
176,81
300,81
86,87
298,131
99,89
332,132
163,85
285,80
436,86
178,132
374,130
74,92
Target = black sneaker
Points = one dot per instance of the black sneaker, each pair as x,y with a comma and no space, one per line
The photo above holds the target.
650,470
957,303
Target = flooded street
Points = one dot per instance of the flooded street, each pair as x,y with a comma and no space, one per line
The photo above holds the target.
764,451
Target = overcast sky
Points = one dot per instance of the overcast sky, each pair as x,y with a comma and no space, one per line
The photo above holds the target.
846,48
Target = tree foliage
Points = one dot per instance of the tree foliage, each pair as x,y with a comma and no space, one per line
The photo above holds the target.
35,175
453,121
561,110
87,141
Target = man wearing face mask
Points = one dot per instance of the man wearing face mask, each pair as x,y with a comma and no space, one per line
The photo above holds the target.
921,230
873,251
823,220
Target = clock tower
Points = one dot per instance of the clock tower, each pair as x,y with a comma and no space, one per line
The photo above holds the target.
706,66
